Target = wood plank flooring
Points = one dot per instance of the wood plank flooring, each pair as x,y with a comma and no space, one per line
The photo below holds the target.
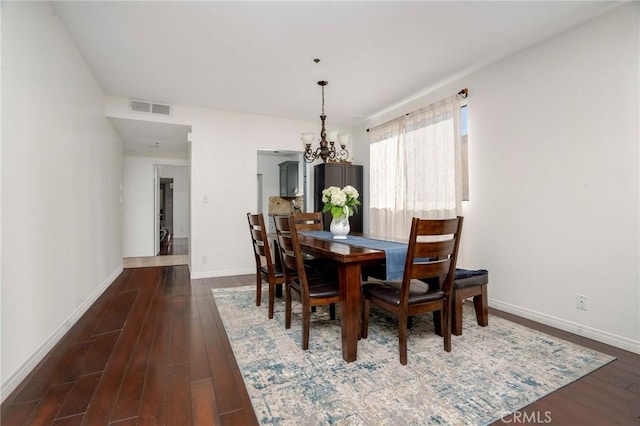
173,251
152,350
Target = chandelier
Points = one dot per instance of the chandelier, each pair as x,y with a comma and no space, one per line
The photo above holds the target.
327,150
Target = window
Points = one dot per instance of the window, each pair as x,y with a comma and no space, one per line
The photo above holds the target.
413,168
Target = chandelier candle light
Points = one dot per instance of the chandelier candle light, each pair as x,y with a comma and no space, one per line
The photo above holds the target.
326,150
342,203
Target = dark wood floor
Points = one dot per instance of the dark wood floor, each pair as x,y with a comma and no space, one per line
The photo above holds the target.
152,350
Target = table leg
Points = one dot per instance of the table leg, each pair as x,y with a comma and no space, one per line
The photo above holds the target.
350,309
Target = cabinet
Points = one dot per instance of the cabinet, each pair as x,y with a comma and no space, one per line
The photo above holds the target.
288,178
340,175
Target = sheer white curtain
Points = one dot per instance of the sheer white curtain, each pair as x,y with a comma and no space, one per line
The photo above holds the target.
415,169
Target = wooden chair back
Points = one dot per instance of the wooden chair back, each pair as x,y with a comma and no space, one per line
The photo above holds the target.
260,240
313,221
432,253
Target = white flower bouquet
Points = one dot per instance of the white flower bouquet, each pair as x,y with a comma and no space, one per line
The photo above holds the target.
340,202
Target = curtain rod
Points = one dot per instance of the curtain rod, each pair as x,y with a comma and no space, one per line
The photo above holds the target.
463,94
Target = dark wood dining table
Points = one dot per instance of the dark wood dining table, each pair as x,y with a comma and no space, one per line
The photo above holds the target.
349,259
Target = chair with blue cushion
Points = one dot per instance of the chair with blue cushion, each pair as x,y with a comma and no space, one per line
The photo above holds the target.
470,283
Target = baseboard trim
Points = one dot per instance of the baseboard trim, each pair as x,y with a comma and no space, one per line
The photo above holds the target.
21,373
222,273
570,326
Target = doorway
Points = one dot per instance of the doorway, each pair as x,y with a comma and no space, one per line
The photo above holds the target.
173,210
148,148
166,216
269,183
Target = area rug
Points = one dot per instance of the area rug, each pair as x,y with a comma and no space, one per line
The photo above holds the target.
490,372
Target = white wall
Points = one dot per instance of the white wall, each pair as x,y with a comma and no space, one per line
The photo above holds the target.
61,179
554,185
138,207
223,169
180,176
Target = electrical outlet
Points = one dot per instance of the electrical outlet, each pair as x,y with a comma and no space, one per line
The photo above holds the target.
204,259
581,302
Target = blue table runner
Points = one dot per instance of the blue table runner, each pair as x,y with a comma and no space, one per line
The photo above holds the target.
395,253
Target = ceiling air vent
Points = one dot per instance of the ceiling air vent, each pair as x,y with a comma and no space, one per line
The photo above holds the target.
161,109
149,107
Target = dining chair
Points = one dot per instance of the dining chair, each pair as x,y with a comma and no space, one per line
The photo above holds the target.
269,270
470,283
431,254
309,288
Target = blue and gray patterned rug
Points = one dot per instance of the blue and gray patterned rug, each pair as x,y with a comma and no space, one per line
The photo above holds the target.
491,371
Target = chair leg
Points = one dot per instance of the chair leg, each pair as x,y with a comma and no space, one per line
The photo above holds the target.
402,338
364,325
409,323
272,301
306,322
446,320
287,306
437,322
456,318
332,311
258,288
482,307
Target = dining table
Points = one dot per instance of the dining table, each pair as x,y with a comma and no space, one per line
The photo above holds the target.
350,256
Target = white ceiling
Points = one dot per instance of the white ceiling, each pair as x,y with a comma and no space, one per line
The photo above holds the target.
257,57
